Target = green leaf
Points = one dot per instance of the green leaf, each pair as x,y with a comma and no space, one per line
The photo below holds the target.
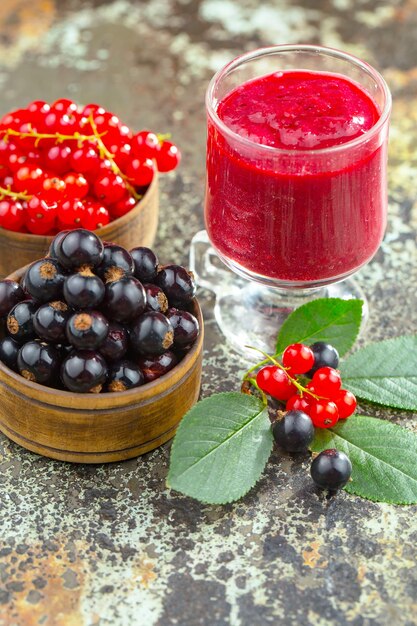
384,372
332,320
383,457
221,448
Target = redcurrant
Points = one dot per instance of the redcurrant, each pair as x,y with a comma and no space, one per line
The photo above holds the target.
274,381
29,179
64,106
140,172
298,403
327,382
12,215
85,160
58,159
95,216
298,358
70,213
76,185
145,145
109,187
323,413
168,157
122,207
345,402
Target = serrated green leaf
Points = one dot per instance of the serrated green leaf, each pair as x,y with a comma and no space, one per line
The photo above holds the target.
332,320
383,457
221,448
384,372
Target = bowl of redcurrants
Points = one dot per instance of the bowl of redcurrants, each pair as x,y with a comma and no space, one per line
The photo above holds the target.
101,350
65,167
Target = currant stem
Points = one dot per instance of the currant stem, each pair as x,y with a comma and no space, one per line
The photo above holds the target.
59,138
105,153
273,359
14,194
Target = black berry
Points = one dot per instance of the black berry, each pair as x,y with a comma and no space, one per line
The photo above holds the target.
116,344
124,375
146,264
50,321
294,432
10,294
9,349
331,469
44,280
87,330
38,361
116,263
151,334
154,367
185,325
84,371
156,300
80,247
177,283
53,248
125,299
20,321
84,290
325,355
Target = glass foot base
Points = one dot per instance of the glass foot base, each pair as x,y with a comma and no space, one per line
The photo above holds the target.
248,313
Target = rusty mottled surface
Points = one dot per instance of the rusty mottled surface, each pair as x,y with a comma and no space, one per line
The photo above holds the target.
109,545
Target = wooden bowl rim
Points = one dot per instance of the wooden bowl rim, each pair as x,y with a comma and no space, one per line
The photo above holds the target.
101,232
142,394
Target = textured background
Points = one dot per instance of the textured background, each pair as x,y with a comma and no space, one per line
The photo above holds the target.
109,545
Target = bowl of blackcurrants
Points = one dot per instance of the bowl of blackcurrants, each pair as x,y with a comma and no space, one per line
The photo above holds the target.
100,350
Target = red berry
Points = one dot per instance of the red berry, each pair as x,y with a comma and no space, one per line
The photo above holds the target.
323,413
122,207
168,157
38,106
58,159
29,179
298,403
92,109
122,153
298,358
12,215
274,381
85,160
76,185
109,187
64,106
145,145
70,213
345,402
140,172
95,216
327,382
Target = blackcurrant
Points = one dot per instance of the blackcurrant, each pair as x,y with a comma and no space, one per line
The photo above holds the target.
84,371
116,344
84,290
185,325
10,294
294,432
146,264
50,321
154,367
177,283
55,244
44,280
325,355
156,300
151,334
80,247
124,375
116,263
9,349
331,469
20,321
125,299
38,361
86,330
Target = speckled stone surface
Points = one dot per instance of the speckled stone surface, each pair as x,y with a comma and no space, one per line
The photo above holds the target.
110,545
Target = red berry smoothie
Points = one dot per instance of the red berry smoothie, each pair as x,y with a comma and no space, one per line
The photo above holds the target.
294,200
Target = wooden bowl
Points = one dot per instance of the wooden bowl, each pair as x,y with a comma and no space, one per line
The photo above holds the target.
99,428
136,228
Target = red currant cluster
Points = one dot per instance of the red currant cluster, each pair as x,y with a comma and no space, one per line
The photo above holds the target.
65,167
323,398
93,317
